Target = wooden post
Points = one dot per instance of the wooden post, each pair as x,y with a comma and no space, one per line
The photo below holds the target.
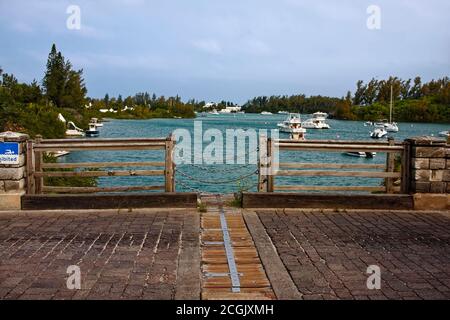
169,165
38,158
30,168
270,171
390,166
406,167
262,164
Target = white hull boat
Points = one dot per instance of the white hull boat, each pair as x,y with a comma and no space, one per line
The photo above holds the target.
266,113
361,154
73,130
378,133
317,121
444,134
292,124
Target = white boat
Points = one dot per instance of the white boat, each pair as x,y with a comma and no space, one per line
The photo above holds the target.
95,121
73,130
58,154
391,126
283,112
214,112
317,121
361,154
292,124
266,113
444,134
92,131
378,132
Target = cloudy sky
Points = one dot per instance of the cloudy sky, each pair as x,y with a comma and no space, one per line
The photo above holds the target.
228,49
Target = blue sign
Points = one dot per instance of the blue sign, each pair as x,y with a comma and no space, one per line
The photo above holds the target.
9,153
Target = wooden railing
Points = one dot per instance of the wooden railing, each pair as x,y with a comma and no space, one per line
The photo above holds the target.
36,167
269,170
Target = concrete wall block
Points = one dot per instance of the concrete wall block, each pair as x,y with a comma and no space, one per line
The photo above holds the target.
421,187
14,185
436,175
12,173
429,152
447,190
437,163
2,186
421,163
422,175
446,175
437,187
448,163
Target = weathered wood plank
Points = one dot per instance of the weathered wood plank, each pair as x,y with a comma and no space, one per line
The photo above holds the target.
329,188
331,201
339,142
50,189
370,174
100,165
105,201
92,146
300,165
102,140
118,173
338,148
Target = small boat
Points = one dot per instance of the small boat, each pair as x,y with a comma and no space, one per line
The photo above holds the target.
58,154
283,112
73,130
214,112
317,121
368,123
378,133
95,121
292,124
361,154
266,113
444,134
92,131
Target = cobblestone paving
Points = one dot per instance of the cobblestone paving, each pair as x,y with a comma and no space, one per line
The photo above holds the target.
121,256
327,254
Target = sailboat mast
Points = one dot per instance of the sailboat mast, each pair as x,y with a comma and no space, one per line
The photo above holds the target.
390,109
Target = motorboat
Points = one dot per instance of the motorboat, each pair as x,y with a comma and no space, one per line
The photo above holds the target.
317,121
361,154
378,132
214,112
283,112
292,124
73,130
95,121
266,113
444,134
92,131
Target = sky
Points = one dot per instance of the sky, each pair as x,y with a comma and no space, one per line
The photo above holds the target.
232,50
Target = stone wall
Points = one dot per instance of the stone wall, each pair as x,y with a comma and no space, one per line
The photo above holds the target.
13,176
430,165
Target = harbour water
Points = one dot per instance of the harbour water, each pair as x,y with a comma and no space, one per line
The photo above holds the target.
225,178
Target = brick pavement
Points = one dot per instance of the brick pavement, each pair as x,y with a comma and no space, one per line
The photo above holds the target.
129,255
327,253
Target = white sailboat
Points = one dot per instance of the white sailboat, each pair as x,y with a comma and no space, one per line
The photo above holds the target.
317,121
391,126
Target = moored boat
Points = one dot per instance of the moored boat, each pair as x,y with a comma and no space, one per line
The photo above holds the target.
92,131
317,121
378,133
361,154
292,124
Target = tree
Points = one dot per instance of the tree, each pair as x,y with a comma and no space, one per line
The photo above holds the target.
63,86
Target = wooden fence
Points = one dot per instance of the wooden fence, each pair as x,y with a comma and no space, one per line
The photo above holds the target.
269,170
36,167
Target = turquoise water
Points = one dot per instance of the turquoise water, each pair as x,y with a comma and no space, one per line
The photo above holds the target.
220,178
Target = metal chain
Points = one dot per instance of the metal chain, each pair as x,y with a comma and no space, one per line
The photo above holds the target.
217,182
